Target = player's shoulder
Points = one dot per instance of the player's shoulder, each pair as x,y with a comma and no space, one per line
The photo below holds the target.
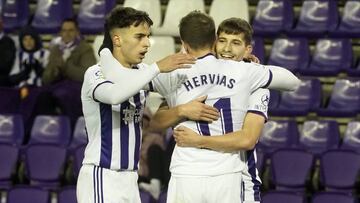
93,71
261,91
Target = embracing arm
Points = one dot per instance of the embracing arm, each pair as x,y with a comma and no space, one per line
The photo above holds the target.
244,139
196,110
283,79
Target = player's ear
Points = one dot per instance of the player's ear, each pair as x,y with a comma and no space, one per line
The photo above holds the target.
117,40
248,49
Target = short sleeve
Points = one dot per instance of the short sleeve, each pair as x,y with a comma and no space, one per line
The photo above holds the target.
259,102
92,80
260,76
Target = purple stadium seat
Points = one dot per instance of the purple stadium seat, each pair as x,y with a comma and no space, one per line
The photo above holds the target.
278,134
332,197
146,197
92,14
331,56
273,17
282,197
274,99
259,48
67,195
11,129
354,71
8,159
49,15
306,98
351,138
290,53
51,129
290,169
317,17
339,170
344,99
15,14
349,25
163,196
80,135
44,164
28,194
10,103
319,136
78,158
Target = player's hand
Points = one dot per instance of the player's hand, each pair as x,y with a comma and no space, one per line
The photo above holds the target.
252,58
185,137
197,110
175,61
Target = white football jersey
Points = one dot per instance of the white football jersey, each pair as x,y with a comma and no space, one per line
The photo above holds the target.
114,131
228,85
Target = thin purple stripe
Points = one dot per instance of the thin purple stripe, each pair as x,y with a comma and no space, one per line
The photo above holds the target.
106,135
93,93
252,171
94,182
101,181
269,81
124,137
260,113
138,105
98,186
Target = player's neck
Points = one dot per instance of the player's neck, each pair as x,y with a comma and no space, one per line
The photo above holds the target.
119,57
200,52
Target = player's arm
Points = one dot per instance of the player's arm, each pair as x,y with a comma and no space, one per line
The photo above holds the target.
282,79
239,140
244,139
196,110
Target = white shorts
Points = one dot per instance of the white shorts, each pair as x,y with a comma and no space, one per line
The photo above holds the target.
223,188
100,185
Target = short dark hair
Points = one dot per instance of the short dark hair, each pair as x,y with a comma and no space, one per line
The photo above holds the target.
122,17
235,26
198,30
71,20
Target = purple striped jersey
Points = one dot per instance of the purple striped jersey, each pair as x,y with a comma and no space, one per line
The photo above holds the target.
114,131
228,85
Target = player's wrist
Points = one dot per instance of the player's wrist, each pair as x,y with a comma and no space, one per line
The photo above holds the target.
180,112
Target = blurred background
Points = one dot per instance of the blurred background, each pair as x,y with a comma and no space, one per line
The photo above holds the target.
309,148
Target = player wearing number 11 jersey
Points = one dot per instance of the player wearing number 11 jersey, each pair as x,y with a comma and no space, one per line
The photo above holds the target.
202,175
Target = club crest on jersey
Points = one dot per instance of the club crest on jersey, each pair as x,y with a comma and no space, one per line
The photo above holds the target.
132,114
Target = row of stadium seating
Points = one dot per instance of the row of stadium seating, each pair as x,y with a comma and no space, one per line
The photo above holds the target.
68,195
272,17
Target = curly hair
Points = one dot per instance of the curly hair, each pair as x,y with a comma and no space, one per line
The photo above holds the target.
122,17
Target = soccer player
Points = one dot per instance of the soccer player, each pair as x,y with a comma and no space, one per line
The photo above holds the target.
113,111
234,43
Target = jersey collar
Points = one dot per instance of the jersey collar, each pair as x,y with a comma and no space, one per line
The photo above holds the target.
206,55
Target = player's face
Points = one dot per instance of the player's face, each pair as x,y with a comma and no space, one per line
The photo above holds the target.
68,32
134,43
231,46
28,42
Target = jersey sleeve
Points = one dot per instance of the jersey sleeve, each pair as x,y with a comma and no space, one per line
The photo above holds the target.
259,101
167,83
260,76
92,80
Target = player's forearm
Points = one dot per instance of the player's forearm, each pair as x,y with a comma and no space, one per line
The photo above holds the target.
283,79
117,74
115,93
166,117
230,142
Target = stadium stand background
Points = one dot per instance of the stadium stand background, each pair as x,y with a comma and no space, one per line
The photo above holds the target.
309,149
